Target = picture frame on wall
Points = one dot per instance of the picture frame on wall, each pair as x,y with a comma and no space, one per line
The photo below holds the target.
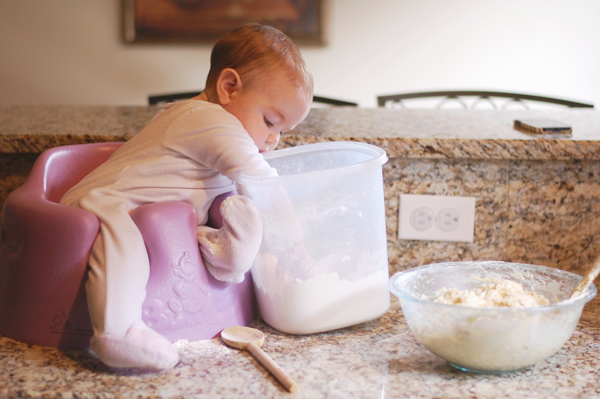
204,21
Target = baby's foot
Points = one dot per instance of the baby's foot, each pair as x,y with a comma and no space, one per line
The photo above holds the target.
229,252
141,347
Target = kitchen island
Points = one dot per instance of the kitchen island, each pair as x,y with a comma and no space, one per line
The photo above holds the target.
537,201
537,197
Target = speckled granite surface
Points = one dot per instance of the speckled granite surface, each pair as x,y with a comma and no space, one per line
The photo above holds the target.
537,201
451,134
537,198
532,211
379,359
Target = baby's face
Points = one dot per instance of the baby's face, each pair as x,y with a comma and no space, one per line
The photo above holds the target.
269,109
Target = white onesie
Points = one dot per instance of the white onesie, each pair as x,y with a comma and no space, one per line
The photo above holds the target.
192,151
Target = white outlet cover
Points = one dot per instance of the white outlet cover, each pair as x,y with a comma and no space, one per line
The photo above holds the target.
453,218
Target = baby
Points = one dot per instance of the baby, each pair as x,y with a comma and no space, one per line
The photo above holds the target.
258,86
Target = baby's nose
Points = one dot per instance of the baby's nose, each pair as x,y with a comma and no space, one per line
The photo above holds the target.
272,141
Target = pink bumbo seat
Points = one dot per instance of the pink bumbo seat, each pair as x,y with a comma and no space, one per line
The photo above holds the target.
44,250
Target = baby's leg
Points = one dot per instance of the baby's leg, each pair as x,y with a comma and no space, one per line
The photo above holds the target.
116,289
229,252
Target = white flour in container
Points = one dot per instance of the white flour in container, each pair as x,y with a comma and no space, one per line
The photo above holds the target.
322,302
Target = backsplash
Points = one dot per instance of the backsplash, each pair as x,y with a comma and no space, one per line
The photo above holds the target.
539,212
537,199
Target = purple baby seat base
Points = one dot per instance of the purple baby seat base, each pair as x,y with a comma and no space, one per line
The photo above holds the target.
183,300
45,246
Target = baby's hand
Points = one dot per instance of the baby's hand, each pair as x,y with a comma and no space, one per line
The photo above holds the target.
227,276
229,252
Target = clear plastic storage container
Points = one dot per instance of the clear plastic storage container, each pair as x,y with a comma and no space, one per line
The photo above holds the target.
323,260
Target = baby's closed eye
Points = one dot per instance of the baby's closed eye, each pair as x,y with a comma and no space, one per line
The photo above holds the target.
268,123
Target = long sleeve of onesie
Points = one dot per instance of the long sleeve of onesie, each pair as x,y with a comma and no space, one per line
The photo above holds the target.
191,152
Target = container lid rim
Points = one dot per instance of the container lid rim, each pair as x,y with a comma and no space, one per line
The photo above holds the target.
379,157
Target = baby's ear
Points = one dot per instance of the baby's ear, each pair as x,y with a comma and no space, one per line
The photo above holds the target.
228,83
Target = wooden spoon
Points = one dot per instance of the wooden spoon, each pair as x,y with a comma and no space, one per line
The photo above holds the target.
587,280
250,339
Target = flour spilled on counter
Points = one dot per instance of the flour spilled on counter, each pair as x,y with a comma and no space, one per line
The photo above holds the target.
504,293
191,350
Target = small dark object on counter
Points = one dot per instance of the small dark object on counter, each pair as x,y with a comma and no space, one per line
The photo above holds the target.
542,126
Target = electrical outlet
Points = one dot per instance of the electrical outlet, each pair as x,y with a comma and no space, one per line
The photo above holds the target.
421,218
436,218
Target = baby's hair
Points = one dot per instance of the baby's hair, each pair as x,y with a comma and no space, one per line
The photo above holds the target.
254,49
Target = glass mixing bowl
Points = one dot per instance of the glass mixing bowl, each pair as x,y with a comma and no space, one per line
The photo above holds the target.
489,339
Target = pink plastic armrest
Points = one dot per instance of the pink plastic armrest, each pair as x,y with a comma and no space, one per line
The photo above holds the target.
183,300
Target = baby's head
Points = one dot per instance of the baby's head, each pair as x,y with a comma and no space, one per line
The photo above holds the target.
258,69
254,51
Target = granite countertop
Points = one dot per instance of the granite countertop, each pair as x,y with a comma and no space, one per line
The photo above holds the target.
378,359
403,133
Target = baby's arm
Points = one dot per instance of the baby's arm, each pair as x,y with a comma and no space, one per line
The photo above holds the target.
227,148
228,252
216,140
224,147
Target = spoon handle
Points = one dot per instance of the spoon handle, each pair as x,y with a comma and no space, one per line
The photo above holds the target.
587,280
273,367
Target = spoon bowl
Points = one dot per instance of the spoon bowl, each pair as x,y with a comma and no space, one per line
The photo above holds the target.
240,337
251,339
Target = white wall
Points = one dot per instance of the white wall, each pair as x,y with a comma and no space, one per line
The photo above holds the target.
70,51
